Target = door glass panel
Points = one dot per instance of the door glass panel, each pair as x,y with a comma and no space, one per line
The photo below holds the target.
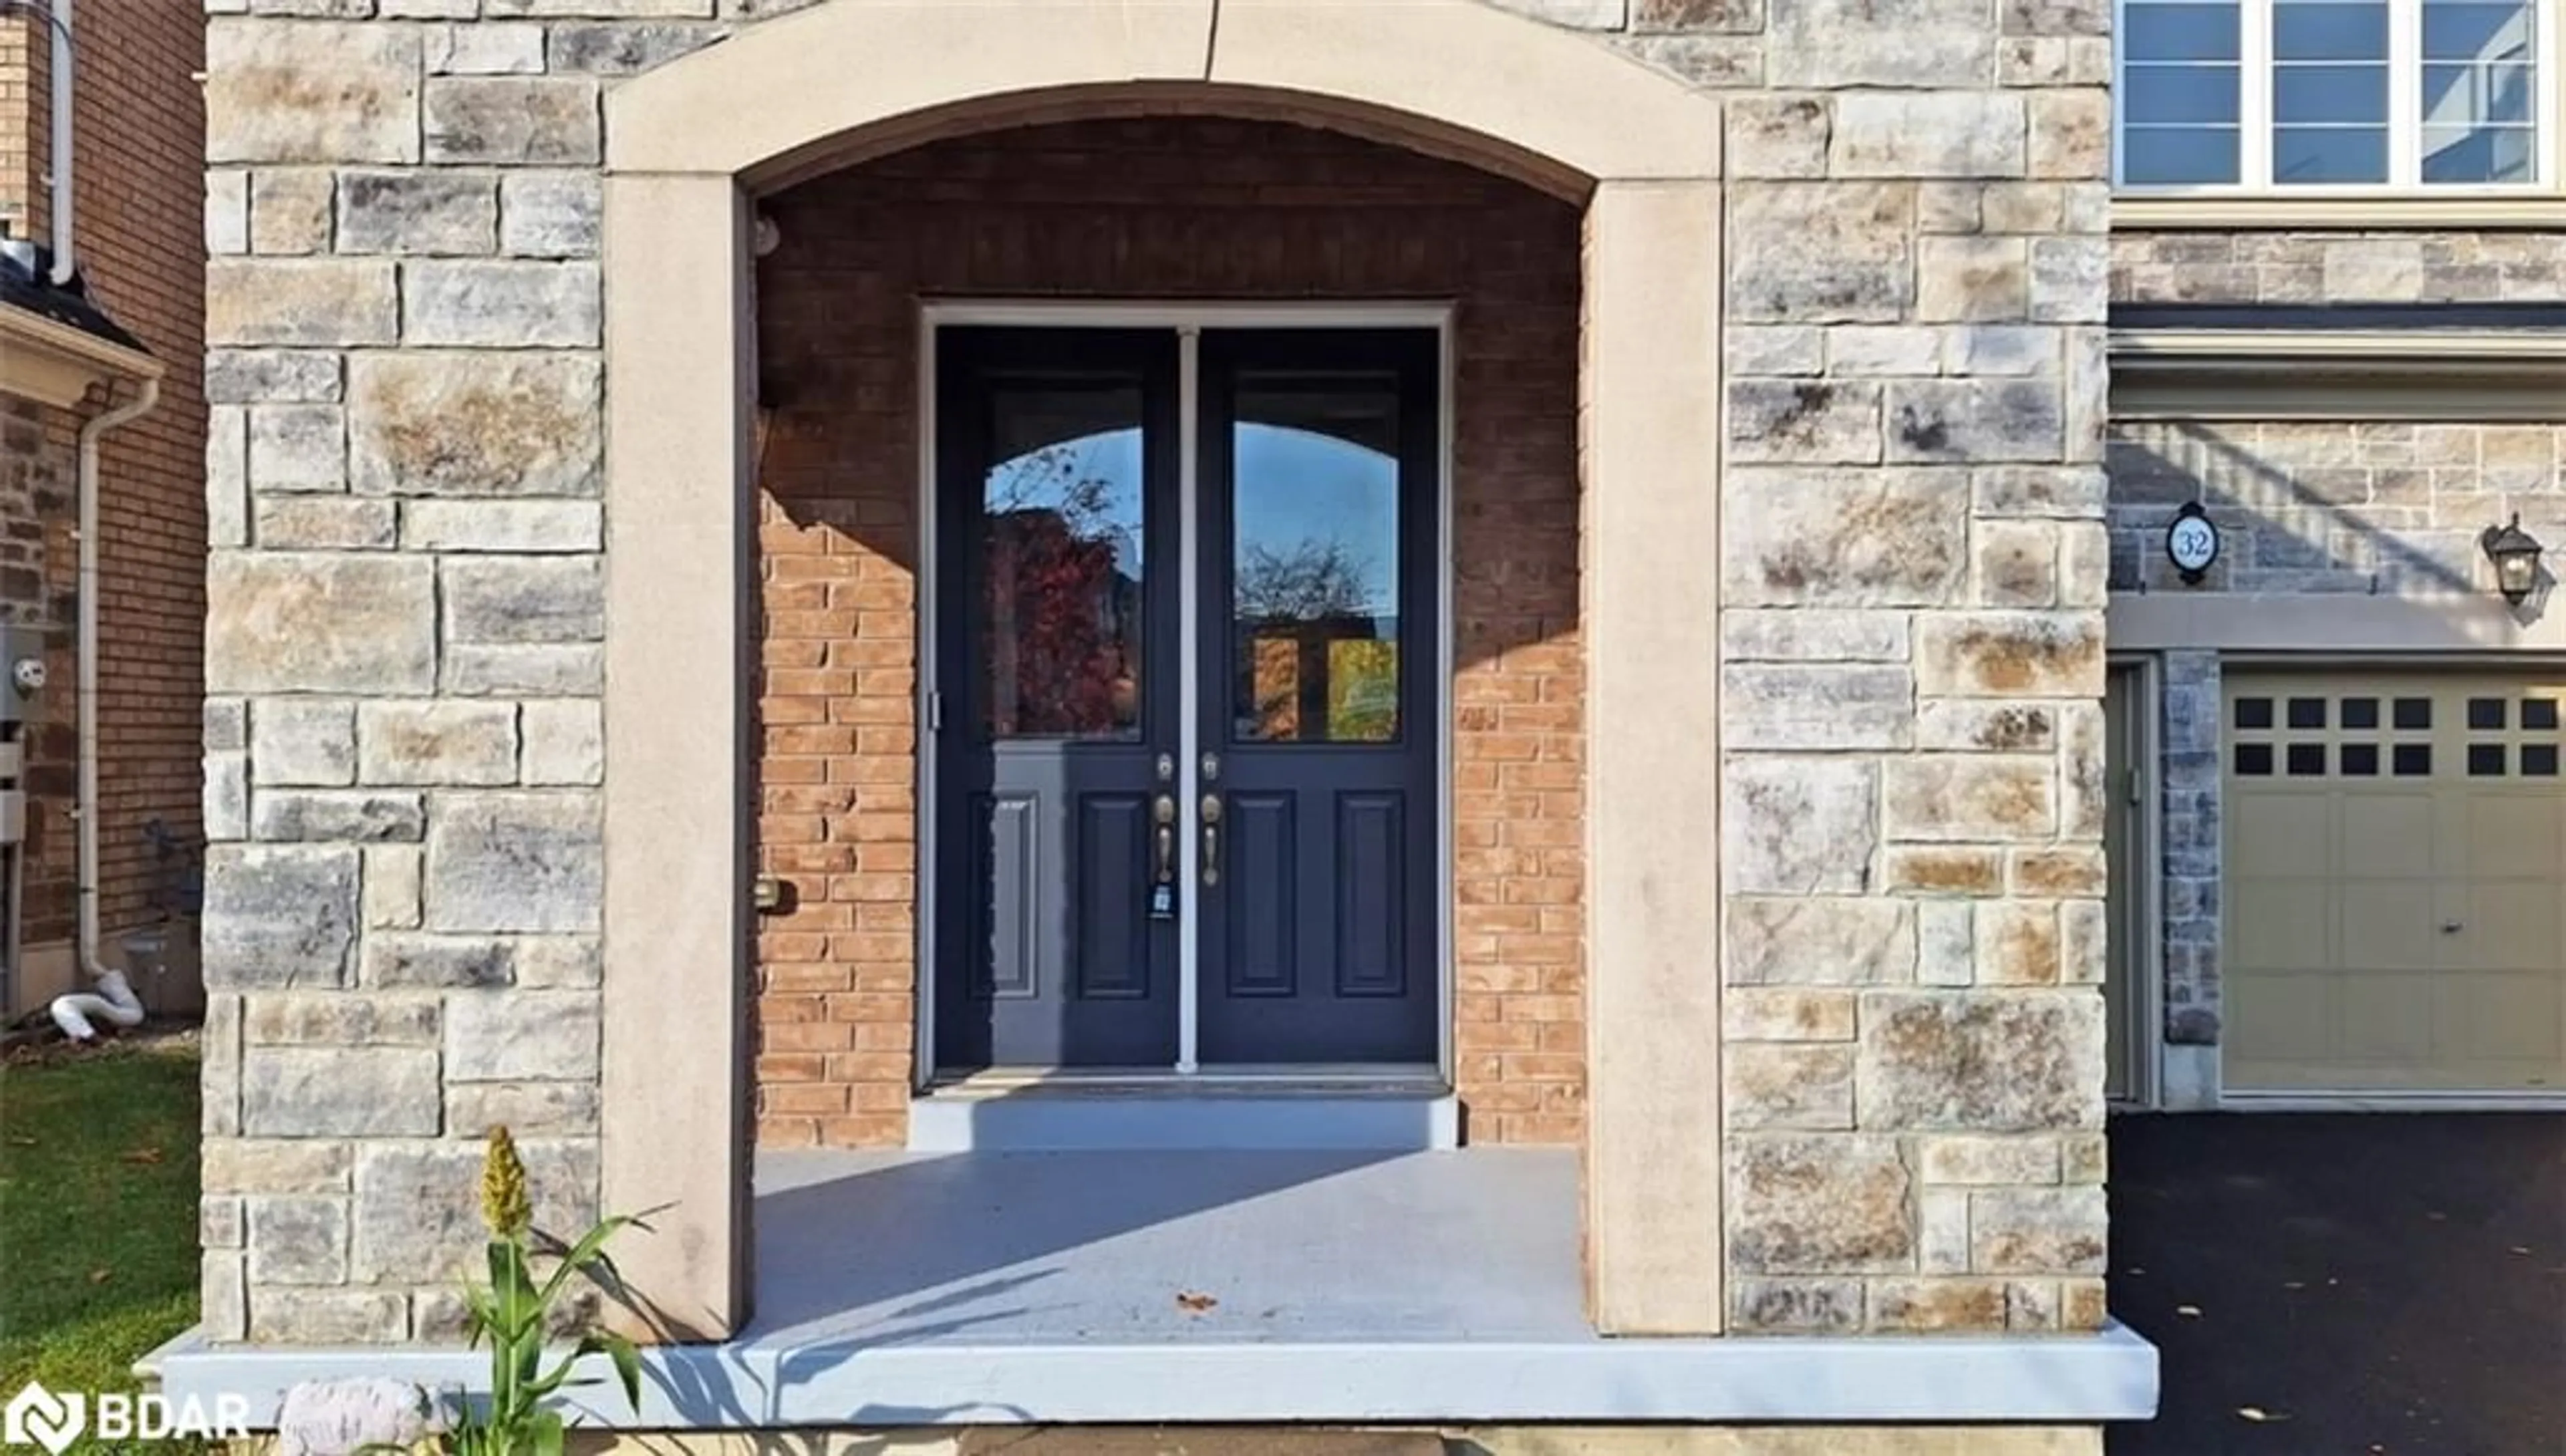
1314,559
1061,531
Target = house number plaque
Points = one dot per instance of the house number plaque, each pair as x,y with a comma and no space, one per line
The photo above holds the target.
2192,543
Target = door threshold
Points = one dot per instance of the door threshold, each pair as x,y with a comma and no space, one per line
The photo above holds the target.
1399,1075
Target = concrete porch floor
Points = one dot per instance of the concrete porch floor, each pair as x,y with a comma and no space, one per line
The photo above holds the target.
900,1290
1198,1248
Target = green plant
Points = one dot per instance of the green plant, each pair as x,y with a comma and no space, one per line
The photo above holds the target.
514,1313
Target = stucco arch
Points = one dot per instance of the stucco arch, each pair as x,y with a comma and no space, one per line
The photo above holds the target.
1457,77
690,144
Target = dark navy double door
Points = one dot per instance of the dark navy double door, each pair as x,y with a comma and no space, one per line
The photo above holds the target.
1184,714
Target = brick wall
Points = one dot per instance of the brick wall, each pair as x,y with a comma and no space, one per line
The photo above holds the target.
18,32
140,241
1124,208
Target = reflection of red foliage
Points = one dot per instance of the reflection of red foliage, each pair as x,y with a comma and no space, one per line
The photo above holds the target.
1056,620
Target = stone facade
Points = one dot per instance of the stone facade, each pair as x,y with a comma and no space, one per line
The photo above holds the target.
39,587
405,626
2389,507
2338,267
2372,507
1913,578
2190,838
2362,508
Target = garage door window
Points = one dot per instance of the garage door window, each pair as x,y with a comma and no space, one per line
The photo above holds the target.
2289,737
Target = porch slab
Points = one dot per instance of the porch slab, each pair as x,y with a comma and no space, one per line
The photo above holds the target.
907,1290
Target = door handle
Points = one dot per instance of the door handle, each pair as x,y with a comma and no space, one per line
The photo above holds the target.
1164,861
1212,839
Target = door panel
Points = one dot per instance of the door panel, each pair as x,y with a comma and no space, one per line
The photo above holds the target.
1262,953
1113,916
1318,481
1372,894
1056,453
1005,917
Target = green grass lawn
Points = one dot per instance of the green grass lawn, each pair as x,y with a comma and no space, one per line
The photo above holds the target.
97,1213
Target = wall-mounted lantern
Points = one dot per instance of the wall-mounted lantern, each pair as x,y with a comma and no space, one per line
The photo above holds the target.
2515,554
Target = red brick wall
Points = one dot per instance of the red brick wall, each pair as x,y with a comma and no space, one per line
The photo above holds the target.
17,30
141,242
1151,207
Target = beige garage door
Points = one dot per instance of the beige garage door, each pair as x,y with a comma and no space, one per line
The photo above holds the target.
2396,880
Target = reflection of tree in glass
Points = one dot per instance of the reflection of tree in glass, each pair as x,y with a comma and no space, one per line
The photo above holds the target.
1062,634
1318,663
1310,580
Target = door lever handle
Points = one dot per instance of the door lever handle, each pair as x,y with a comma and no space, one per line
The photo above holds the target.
1212,839
1164,861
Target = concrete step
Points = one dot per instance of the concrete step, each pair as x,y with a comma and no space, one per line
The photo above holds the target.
1197,1441
1165,1116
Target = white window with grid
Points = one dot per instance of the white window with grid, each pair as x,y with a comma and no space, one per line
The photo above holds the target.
2340,95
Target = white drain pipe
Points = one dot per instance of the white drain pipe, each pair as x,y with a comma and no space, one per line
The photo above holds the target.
115,1001
57,17
59,81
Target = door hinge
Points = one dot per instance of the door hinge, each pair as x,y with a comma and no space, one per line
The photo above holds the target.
2136,788
935,712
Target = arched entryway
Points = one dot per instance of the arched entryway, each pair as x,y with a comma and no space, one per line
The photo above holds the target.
1375,353
688,154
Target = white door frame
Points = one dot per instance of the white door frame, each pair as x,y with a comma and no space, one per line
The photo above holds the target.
1187,321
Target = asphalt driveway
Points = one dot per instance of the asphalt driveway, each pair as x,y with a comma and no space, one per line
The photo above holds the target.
2375,1284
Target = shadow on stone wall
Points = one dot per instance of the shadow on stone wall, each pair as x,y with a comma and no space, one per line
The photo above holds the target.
2388,508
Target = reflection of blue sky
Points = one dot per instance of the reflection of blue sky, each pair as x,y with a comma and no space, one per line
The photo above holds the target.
1294,487
1299,486
1038,481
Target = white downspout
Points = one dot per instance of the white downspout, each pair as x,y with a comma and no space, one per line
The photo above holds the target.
61,89
62,92
115,1000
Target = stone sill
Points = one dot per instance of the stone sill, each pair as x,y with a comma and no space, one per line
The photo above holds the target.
2339,212
753,1383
